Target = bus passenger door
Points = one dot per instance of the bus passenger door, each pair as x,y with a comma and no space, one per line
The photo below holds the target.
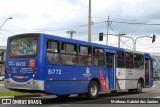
147,71
110,65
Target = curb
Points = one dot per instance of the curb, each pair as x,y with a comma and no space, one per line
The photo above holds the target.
6,97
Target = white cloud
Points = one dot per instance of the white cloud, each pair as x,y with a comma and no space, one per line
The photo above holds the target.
55,17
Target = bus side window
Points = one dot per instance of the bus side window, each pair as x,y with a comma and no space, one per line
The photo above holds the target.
138,61
120,59
129,60
69,54
85,55
98,55
53,52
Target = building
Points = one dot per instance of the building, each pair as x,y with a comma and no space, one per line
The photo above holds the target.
2,59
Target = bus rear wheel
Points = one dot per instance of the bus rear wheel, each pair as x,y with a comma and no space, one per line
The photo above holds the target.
139,87
93,90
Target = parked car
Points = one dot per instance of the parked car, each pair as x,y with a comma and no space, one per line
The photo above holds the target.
2,78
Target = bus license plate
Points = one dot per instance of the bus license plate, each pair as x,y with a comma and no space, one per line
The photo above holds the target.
20,77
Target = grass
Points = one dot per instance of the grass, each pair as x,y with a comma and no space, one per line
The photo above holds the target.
14,93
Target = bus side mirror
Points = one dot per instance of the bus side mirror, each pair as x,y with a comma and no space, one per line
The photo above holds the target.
100,36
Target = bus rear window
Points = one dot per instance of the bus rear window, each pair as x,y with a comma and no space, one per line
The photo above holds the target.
23,46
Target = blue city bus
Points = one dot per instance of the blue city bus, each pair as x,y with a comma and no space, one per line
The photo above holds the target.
63,66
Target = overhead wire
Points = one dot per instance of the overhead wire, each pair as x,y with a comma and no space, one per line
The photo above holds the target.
83,25
120,39
3,35
8,31
137,23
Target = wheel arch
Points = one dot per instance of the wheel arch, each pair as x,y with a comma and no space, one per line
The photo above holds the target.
97,80
142,81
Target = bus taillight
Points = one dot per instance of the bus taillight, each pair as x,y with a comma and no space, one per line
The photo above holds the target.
31,63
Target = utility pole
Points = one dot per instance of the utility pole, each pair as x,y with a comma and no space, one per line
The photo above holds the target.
108,24
71,33
89,22
119,38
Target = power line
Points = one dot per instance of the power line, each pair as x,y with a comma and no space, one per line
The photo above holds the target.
8,31
149,48
52,29
136,23
85,25
3,35
120,39
125,42
148,44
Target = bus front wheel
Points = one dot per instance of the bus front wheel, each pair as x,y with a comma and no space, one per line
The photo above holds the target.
93,90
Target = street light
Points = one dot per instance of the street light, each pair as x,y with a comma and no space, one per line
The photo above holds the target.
137,38
5,21
118,35
123,35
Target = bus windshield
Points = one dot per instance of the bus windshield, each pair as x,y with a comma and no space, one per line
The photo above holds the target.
26,46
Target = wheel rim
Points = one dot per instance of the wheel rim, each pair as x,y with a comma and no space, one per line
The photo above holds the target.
93,90
139,87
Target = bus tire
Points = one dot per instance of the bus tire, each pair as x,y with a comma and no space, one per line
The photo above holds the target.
139,87
93,90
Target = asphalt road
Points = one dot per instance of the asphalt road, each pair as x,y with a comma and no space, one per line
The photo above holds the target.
52,101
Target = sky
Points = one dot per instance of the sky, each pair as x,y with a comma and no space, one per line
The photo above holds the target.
56,17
